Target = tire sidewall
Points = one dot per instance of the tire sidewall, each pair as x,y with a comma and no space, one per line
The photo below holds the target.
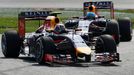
11,41
107,44
39,53
112,28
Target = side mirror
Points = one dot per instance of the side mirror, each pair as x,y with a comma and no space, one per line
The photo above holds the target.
101,16
78,29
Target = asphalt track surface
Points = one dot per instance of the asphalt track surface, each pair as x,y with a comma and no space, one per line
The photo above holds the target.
27,66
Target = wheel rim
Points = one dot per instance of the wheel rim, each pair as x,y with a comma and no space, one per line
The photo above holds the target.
3,44
39,52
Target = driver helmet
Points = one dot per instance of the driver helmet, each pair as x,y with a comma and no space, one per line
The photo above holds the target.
92,8
91,15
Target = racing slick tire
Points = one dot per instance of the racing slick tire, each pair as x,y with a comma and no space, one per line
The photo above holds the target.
88,58
112,28
43,46
105,43
11,44
67,47
125,27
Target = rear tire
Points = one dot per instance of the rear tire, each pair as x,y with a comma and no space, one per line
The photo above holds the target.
125,27
11,44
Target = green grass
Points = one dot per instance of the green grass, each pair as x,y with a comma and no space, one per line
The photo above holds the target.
11,23
126,11
8,23
9,18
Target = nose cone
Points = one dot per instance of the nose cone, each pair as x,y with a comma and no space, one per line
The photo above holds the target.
83,50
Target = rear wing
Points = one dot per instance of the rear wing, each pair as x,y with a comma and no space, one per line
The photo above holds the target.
31,15
34,14
37,14
99,5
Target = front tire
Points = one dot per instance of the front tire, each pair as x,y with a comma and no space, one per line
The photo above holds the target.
112,28
88,58
43,46
105,43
